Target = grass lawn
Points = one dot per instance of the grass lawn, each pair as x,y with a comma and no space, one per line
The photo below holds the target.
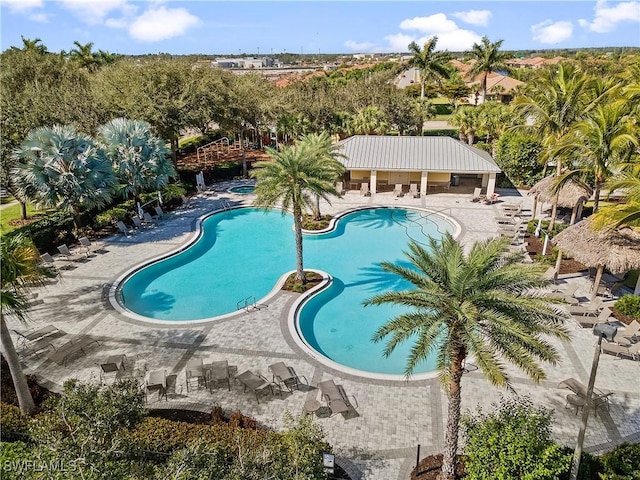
11,213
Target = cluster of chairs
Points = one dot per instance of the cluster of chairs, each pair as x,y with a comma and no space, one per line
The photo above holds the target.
578,399
511,224
79,254
199,374
478,196
147,220
589,314
42,340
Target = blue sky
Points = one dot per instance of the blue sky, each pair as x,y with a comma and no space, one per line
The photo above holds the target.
211,27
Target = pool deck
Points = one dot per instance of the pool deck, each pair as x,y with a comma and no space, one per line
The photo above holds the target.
393,417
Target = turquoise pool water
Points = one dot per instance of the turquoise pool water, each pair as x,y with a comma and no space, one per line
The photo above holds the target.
244,251
243,189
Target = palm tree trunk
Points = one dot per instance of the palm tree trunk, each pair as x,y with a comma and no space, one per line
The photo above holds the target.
596,196
25,400
421,90
484,87
297,223
453,419
316,213
554,205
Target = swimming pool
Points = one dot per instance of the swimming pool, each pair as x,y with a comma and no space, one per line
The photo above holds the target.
243,252
243,189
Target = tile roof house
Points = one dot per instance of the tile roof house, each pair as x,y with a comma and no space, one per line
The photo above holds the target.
431,162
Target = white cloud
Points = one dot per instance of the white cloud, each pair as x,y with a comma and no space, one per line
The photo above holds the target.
437,23
161,23
552,32
117,22
39,17
474,17
93,12
18,6
606,18
359,46
398,42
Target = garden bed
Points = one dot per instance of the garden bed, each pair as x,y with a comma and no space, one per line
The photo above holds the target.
429,468
309,223
534,249
292,285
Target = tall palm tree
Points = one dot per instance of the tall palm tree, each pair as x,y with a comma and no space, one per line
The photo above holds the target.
551,105
599,143
21,270
465,118
488,58
485,304
327,154
292,176
84,55
61,168
141,160
34,45
431,64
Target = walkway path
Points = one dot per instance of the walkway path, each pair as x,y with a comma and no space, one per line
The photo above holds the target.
392,417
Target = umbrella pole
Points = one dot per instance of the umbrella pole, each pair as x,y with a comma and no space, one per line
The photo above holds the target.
574,214
596,282
558,262
535,208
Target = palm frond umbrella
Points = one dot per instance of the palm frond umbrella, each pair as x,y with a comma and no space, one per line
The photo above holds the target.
618,250
572,195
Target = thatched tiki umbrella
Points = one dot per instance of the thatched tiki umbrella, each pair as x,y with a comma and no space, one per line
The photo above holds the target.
572,195
618,250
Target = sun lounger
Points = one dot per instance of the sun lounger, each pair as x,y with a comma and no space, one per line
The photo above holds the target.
285,376
36,347
632,351
568,294
256,383
630,331
364,190
40,333
580,389
186,203
592,309
86,244
413,190
397,191
148,218
335,397
477,194
137,223
47,259
589,322
159,212
550,275
123,228
68,254
340,188
73,347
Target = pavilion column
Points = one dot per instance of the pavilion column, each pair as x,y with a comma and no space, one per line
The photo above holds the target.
423,183
596,282
491,185
374,181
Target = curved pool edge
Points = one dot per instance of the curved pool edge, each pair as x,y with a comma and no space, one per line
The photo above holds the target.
114,290
334,221
293,324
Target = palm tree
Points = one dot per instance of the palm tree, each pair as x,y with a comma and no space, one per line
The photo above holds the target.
488,58
20,271
625,213
141,160
327,154
465,118
431,64
553,104
484,304
34,45
61,168
599,143
368,121
292,176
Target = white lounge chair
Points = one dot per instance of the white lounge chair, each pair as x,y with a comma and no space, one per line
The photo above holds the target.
413,190
589,322
477,194
630,331
632,351
335,397
592,309
340,188
364,189
397,191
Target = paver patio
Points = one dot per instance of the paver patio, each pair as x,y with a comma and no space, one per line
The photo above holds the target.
393,416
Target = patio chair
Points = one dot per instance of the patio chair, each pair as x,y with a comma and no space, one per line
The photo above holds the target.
335,397
413,190
156,380
397,190
148,218
111,366
186,203
593,308
39,334
123,228
159,211
364,190
550,275
285,376
632,351
590,322
477,194
68,254
630,331
218,372
340,188
568,294
86,244
48,260
195,371
256,383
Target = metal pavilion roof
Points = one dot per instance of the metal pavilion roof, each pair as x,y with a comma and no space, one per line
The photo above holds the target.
444,154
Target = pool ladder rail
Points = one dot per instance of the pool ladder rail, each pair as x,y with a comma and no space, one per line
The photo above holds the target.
249,303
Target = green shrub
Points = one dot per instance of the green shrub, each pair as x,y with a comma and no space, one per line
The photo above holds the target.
445,132
623,463
13,424
53,229
629,305
518,155
173,192
512,441
487,147
14,460
109,217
